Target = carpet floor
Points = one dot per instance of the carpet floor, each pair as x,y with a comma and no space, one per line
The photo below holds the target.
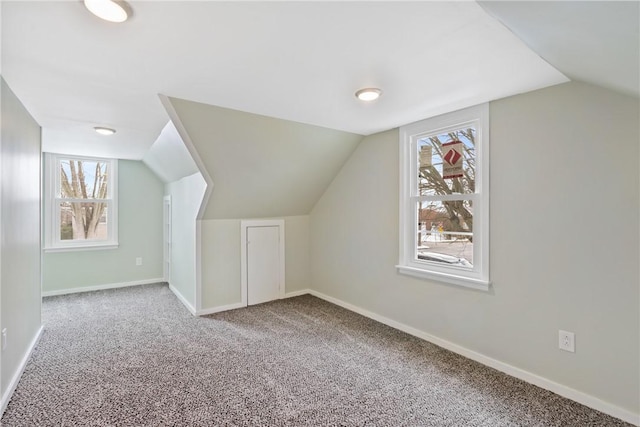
136,357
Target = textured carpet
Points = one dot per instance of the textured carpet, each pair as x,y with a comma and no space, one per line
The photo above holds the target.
136,357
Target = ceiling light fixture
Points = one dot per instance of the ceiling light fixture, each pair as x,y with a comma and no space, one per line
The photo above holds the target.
368,94
104,131
109,10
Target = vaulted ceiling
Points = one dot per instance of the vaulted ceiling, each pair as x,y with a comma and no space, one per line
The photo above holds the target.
299,61
596,42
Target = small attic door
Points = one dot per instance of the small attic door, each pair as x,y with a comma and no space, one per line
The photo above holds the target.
262,261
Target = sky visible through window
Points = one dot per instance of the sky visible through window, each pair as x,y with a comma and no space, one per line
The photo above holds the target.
89,169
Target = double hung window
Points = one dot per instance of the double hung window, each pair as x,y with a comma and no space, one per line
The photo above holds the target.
81,198
444,209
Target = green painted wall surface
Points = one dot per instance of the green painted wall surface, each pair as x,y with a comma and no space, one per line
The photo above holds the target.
262,167
564,242
20,212
221,282
186,199
140,195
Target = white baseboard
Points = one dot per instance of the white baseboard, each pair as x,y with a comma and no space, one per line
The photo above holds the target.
101,287
564,391
182,299
219,309
297,293
16,378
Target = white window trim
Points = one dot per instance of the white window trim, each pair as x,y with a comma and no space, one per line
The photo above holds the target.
478,276
52,242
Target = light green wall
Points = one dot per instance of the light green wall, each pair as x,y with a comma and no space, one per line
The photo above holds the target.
220,262
186,198
262,167
20,248
221,259
564,242
140,195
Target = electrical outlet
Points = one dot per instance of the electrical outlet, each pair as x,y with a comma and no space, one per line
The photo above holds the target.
4,338
567,341
139,261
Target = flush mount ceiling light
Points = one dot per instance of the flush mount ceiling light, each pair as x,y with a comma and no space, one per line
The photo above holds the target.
109,10
104,131
368,94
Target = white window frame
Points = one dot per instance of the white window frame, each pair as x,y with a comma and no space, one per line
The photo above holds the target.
52,241
478,276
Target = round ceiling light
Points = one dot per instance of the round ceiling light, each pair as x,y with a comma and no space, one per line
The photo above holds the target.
104,131
109,10
368,94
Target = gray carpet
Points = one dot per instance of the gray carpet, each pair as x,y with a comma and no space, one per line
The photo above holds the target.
136,357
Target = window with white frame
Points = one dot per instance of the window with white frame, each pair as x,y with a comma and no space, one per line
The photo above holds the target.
81,203
444,198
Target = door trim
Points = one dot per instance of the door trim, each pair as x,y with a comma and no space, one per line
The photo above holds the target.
244,224
166,238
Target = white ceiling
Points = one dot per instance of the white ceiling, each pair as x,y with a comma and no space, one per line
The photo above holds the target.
300,61
596,42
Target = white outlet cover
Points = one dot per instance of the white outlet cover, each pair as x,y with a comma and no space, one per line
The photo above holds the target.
567,341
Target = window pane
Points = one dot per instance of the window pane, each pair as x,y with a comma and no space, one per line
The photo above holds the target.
447,154
83,179
83,221
445,232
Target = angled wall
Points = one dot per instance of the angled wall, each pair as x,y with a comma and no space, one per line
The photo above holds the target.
564,245
257,167
186,197
168,157
261,166
20,249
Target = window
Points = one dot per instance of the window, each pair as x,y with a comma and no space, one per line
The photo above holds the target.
81,203
444,199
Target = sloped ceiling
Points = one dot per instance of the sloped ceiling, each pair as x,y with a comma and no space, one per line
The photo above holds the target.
168,157
262,167
299,61
596,42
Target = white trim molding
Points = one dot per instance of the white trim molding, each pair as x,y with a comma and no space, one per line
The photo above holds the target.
412,137
199,297
186,139
102,287
183,300
16,378
234,306
53,199
297,293
531,378
220,308
244,224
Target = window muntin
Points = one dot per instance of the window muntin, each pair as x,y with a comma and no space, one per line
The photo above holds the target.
444,198
82,202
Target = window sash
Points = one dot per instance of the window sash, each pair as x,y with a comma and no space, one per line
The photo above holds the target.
413,252
110,166
54,200
79,242
414,156
478,275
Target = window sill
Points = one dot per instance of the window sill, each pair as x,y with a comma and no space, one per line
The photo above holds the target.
95,247
467,282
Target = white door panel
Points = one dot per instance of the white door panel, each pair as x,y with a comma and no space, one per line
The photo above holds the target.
263,264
